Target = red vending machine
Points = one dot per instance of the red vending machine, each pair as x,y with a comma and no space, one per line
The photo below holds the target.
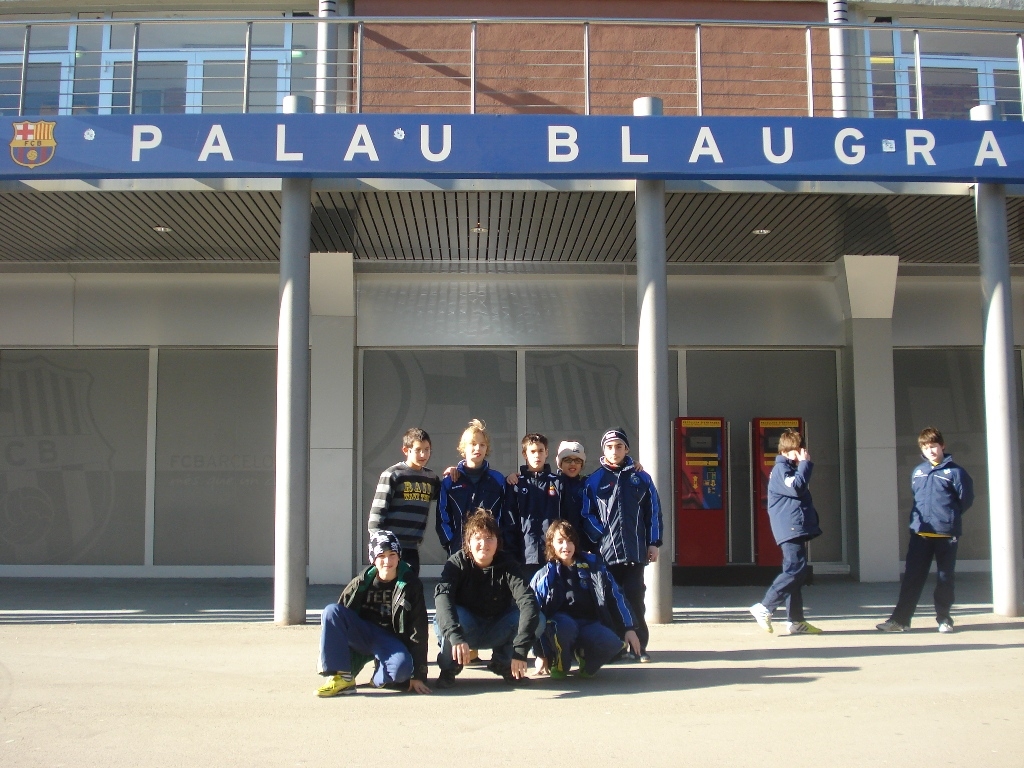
700,469
764,446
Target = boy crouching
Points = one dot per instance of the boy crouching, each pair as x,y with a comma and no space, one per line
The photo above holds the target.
381,616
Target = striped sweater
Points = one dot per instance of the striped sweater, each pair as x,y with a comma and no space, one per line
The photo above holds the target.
402,502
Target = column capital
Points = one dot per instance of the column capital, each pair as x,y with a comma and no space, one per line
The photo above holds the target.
866,286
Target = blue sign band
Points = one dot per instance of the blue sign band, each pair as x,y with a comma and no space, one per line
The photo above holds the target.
513,147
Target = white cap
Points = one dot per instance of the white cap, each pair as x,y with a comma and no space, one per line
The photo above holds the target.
568,448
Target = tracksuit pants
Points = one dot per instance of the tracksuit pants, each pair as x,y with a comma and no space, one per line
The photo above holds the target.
342,631
590,640
787,585
920,553
630,578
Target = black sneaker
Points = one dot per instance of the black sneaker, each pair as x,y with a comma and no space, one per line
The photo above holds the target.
445,680
505,673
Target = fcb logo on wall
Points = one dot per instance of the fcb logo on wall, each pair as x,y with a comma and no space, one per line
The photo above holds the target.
33,143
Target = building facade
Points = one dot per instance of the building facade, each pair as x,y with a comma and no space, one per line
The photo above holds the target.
139,318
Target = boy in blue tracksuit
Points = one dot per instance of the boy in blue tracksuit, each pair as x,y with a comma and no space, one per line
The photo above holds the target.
530,506
794,522
625,510
588,615
478,486
943,491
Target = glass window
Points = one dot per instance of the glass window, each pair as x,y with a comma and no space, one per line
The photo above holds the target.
215,452
943,388
73,458
439,391
743,385
579,396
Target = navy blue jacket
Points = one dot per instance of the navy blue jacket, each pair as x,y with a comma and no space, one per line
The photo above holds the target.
459,499
572,501
625,512
790,508
941,495
531,505
550,582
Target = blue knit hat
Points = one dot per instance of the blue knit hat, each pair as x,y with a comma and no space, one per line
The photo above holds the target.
615,433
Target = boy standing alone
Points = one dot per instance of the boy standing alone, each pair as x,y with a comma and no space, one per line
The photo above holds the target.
404,492
794,522
943,491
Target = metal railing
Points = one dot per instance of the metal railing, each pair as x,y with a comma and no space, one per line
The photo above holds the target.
493,66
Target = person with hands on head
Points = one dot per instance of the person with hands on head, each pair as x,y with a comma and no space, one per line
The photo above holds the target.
624,508
794,522
482,601
588,615
380,616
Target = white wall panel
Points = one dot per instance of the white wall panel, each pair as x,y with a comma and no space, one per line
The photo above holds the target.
944,312
744,311
36,310
155,310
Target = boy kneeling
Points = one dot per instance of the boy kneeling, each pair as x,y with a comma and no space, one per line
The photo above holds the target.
380,615
483,602
589,617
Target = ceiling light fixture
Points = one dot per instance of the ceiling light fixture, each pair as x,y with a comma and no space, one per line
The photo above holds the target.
761,232
479,229
162,230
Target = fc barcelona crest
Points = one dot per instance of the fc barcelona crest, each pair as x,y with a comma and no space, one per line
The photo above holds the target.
33,143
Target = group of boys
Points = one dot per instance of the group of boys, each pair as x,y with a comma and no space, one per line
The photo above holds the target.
616,509
483,598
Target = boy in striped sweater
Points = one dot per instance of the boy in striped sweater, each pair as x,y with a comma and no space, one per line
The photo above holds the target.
404,492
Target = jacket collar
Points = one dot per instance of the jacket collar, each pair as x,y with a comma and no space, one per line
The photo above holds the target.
627,463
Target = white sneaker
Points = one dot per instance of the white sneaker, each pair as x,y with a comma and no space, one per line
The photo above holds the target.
945,626
763,616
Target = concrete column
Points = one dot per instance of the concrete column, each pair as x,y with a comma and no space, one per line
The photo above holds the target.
290,503
837,18
1000,395
327,58
867,288
654,439
334,524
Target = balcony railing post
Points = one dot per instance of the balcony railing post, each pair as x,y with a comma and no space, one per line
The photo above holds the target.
699,74
837,19
918,79
327,58
1020,73
133,77
810,74
24,70
247,68
586,67
359,68
472,69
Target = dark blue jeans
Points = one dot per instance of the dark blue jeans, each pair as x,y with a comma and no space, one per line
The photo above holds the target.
480,632
342,631
593,641
786,587
920,553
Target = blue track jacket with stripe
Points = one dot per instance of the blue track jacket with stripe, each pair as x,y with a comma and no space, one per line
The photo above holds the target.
459,499
531,505
549,585
624,506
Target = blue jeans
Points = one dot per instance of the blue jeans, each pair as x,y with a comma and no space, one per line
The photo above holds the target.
342,631
595,643
480,632
920,553
786,587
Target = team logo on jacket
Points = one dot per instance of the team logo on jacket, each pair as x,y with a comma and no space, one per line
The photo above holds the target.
634,480
33,143
552,491
58,489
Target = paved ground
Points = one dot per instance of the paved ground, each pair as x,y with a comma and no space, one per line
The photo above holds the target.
173,673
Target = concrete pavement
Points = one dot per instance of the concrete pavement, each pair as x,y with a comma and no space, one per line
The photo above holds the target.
192,673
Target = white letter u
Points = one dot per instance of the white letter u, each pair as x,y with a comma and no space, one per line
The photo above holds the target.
787,150
446,143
